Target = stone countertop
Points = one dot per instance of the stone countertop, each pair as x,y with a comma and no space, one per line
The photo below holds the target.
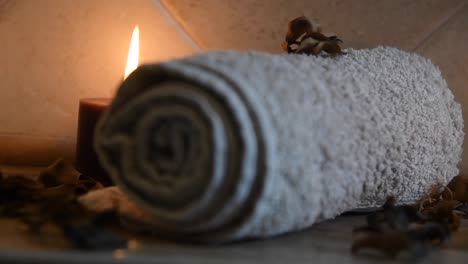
327,242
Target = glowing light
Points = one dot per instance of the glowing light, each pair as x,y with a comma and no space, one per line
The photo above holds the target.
132,60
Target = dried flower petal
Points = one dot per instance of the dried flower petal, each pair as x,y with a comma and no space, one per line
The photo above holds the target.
96,234
308,39
17,188
459,188
53,199
60,172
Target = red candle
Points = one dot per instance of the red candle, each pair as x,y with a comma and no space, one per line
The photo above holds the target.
86,159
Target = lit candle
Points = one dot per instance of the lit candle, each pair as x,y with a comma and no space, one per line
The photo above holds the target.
90,110
132,59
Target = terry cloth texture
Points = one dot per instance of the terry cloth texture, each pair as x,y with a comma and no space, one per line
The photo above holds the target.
231,145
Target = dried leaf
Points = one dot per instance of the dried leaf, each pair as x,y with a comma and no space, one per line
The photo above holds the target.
463,210
392,217
297,28
436,233
458,189
444,213
309,40
391,243
17,188
441,211
96,234
53,199
60,172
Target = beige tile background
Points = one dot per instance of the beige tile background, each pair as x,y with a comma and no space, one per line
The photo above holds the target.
54,52
79,49
437,29
261,24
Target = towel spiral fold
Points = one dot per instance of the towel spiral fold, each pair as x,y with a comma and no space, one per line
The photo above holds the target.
195,155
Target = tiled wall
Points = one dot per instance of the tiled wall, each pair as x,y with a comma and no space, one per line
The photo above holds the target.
60,50
437,29
53,52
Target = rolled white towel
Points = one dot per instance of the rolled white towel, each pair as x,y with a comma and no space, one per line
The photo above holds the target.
231,145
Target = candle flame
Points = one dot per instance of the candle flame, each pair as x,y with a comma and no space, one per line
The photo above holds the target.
132,60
